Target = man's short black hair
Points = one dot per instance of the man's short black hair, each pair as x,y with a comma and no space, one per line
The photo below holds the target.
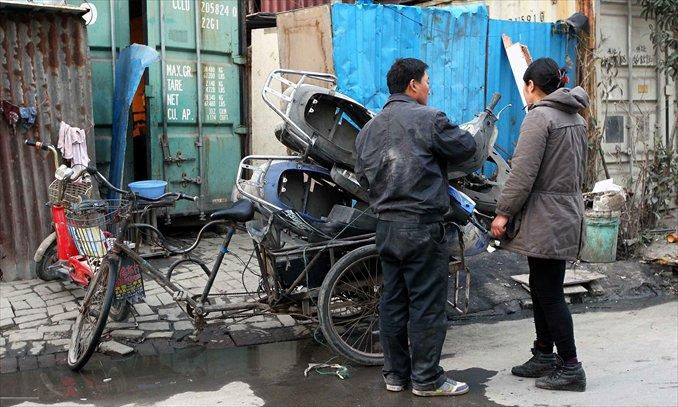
402,72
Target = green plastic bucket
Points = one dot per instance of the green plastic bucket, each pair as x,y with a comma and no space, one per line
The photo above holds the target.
601,237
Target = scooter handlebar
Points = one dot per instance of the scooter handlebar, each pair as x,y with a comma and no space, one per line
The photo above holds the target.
494,101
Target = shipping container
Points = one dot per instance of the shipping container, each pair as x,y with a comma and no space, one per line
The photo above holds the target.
636,103
186,124
44,63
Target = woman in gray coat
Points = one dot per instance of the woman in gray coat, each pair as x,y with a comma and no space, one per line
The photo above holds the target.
541,213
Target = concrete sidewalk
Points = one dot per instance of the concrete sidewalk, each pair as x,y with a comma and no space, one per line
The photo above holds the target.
630,358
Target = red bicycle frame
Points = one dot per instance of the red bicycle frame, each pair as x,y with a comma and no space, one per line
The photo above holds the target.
67,251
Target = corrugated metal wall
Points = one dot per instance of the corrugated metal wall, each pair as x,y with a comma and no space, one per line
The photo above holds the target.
367,38
44,62
542,41
455,42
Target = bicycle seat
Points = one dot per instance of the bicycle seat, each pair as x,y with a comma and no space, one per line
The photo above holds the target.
239,211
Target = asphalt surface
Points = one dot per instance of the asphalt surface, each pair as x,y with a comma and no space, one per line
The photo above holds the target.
630,356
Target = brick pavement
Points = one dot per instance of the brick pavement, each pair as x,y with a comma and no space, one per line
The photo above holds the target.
36,316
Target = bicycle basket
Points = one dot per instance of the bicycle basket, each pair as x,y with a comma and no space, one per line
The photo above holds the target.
69,193
93,224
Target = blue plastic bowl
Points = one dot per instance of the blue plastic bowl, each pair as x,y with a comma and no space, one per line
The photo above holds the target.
152,188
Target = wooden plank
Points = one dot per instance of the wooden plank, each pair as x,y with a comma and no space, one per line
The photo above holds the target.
569,290
596,288
305,40
522,279
575,289
572,277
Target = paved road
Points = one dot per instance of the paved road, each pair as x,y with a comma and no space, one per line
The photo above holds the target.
630,358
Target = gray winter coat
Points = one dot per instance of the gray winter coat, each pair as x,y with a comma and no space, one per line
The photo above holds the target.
542,196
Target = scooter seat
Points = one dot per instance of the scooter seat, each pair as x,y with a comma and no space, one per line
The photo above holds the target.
240,211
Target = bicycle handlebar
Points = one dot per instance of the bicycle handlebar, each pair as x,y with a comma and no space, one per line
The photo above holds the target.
37,144
45,147
178,195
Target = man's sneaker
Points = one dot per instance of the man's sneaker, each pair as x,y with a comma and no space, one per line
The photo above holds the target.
395,387
539,365
392,385
570,378
449,388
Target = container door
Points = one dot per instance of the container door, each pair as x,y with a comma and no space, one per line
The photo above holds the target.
636,112
194,109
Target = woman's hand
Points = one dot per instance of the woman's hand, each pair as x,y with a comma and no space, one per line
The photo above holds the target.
499,226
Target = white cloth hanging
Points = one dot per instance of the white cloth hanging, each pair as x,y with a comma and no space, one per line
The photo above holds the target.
73,144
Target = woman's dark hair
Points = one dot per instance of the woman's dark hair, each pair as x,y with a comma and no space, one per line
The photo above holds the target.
402,72
546,75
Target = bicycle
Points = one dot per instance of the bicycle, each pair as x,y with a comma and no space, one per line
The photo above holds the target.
57,256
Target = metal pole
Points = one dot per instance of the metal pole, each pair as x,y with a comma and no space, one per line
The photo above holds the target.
659,86
199,142
629,90
163,73
113,50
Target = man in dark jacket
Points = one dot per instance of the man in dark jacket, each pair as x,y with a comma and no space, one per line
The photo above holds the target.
402,157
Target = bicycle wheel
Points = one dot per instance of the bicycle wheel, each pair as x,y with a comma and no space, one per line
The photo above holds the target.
119,310
49,257
91,320
348,306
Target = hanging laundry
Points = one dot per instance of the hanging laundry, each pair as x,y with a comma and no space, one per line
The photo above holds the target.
27,115
73,144
10,111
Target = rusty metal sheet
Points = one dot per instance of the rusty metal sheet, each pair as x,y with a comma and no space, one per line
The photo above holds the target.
277,6
44,62
313,28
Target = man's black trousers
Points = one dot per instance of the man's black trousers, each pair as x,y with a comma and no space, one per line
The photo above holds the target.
415,261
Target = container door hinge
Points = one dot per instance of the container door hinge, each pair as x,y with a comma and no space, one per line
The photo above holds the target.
198,143
242,130
178,159
240,60
185,180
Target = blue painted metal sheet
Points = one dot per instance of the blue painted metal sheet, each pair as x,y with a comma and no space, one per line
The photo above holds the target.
542,41
367,38
130,66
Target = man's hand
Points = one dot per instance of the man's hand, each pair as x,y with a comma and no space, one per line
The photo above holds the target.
499,226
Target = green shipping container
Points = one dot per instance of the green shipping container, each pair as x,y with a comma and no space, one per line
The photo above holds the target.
186,124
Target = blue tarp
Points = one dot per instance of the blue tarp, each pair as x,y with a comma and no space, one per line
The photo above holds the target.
367,38
541,40
457,43
130,66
